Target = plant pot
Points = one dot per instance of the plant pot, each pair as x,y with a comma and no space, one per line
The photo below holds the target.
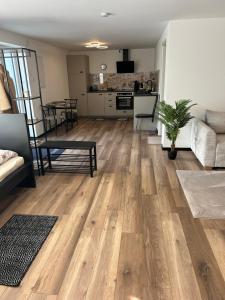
172,154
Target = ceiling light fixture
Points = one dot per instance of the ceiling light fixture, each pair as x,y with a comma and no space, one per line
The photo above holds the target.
96,45
92,45
105,14
102,47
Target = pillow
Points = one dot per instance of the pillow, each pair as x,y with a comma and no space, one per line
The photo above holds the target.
216,120
6,155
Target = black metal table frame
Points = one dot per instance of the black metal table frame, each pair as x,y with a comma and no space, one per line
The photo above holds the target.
60,105
91,158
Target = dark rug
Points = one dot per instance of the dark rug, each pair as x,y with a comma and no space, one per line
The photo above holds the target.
56,153
20,240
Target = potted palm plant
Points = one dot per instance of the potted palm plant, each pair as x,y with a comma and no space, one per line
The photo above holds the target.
174,118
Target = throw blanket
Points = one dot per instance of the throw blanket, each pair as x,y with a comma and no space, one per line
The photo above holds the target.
5,155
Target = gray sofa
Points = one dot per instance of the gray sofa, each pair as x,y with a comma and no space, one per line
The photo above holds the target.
208,139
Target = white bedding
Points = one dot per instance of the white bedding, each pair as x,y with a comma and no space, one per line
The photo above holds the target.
9,166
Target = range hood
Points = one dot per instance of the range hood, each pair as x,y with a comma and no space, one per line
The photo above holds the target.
125,55
125,66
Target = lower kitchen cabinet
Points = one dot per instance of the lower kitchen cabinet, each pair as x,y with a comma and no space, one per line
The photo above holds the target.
96,105
110,109
82,104
110,104
104,105
124,113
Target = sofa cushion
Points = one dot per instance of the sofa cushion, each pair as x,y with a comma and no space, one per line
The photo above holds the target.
220,138
220,150
220,155
216,120
203,143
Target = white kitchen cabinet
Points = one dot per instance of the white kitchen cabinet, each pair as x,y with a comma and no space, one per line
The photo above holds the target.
78,64
77,84
82,105
78,77
110,104
96,105
104,104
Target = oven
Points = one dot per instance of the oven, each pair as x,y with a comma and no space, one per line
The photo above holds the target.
125,101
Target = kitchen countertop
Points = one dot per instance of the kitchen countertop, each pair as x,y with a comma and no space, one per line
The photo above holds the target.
145,94
114,91
139,94
102,91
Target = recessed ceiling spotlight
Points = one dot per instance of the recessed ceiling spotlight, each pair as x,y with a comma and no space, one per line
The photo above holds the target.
105,14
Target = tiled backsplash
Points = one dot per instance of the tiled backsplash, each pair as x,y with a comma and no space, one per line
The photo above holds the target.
120,81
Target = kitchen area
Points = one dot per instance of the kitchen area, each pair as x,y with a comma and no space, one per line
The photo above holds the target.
117,84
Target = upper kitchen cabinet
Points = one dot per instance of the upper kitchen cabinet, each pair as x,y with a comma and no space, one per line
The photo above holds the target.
78,64
78,76
77,84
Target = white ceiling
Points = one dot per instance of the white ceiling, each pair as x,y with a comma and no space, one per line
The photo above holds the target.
71,23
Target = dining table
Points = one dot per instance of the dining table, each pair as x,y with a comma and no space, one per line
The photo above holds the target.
68,107
61,104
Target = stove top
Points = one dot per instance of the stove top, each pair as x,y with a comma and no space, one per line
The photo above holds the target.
125,93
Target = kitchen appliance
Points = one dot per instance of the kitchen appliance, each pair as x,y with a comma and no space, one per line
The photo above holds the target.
125,66
125,100
136,86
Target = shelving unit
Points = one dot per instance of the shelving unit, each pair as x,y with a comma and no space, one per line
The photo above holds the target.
21,67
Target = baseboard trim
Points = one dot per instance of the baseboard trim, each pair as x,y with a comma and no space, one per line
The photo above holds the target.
178,149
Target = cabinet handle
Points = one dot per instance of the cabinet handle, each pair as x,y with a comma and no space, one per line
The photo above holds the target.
110,100
81,72
100,94
110,105
83,94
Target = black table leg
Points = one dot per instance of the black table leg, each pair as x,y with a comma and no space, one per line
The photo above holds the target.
95,158
91,162
41,161
49,159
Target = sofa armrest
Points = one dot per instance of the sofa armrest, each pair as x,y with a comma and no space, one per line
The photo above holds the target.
203,143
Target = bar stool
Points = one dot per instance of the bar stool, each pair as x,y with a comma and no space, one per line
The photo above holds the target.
140,117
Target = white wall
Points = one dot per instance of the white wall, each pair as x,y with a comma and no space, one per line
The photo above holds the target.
159,59
195,67
144,59
53,69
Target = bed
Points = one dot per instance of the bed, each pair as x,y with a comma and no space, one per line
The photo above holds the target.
17,171
10,166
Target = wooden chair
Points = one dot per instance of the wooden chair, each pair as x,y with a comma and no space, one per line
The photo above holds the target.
50,117
70,112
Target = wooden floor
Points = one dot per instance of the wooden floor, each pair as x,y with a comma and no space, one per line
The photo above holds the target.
127,233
